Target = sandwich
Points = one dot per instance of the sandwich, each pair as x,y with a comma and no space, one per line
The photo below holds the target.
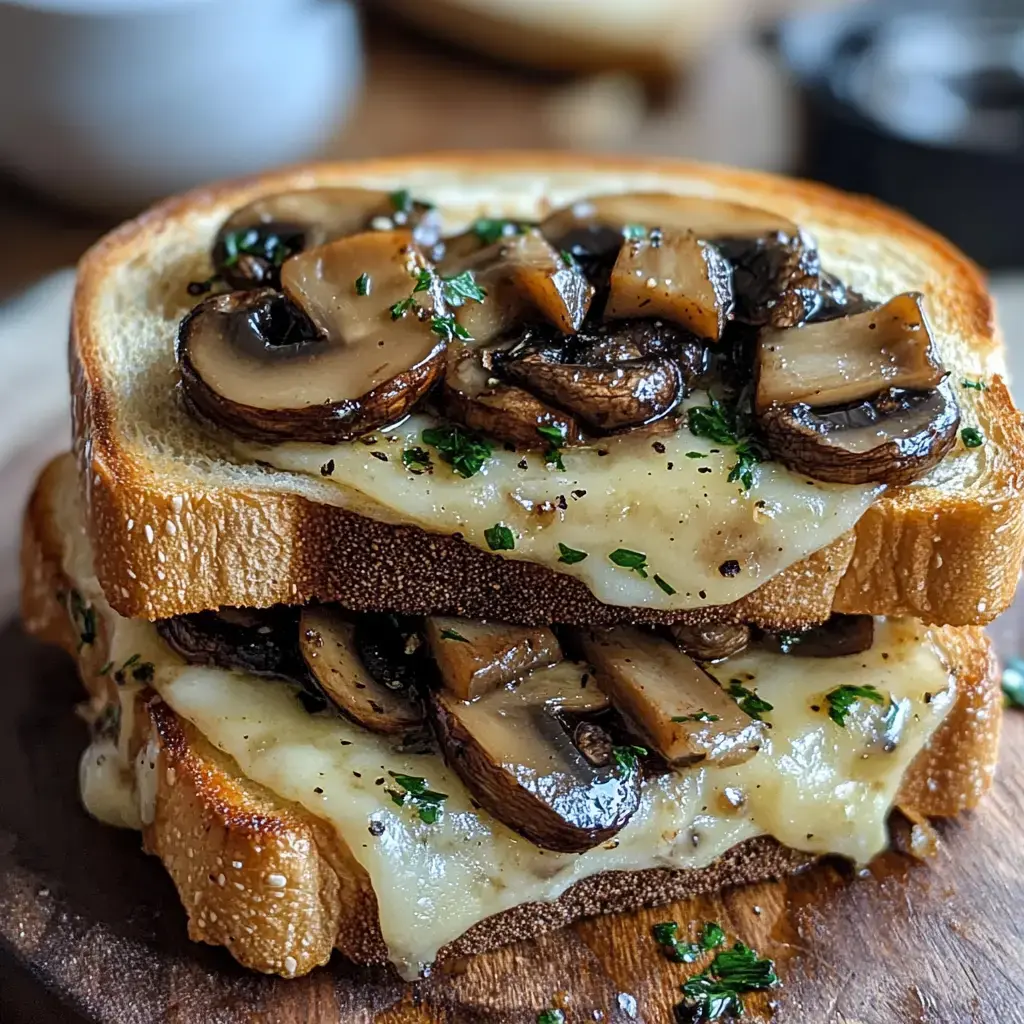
454,547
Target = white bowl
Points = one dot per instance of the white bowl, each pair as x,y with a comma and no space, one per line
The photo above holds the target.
112,103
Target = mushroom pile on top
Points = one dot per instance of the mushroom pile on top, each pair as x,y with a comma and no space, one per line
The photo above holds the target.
347,310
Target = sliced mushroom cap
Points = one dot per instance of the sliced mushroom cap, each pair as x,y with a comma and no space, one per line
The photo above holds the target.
519,761
712,642
675,276
482,402
256,239
892,439
604,398
839,636
327,640
477,657
674,702
259,642
848,359
525,278
326,363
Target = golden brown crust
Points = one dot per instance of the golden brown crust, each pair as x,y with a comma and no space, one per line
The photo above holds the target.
957,550
207,817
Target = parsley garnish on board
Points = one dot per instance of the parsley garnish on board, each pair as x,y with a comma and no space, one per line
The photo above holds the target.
627,757
842,698
464,452
570,556
551,1017
416,460
426,801
1013,683
748,700
717,992
634,560
972,438
667,936
453,634
500,538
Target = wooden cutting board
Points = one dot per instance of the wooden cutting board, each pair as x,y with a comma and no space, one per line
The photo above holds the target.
99,926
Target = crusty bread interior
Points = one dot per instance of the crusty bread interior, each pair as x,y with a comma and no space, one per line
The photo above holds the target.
206,814
180,525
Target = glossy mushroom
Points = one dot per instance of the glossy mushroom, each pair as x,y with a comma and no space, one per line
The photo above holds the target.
325,362
711,642
477,657
327,641
518,759
685,714
840,635
256,239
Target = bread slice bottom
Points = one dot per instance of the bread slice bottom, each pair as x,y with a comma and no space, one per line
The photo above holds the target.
207,822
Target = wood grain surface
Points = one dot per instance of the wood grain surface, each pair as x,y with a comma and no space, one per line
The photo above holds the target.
98,925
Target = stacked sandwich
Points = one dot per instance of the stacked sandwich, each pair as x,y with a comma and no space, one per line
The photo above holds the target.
455,547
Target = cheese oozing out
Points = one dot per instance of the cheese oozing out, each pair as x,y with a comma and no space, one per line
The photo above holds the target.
813,785
668,498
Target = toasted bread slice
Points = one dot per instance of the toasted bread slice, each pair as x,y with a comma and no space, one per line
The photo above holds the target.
180,524
222,836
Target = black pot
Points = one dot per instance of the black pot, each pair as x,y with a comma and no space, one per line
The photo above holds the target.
922,107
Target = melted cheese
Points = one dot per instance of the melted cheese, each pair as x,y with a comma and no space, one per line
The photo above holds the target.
680,511
813,785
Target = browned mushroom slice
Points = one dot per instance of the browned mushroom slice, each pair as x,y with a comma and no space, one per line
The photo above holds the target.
674,276
676,704
256,239
848,359
604,398
490,406
523,277
638,212
839,636
893,438
329,364
519,761
711,642
328,645
477,657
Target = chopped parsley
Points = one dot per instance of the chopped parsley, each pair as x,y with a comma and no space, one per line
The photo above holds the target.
490,229
414,789
453,634
106,668
842,698
626,559
551,1017
555,436
416,460
748,700
363,284
696,455
748,455
570,556
667,587
401,200
667,936
972,437
714,422
787,640
568,259
627,757
464,452
462,288
634,232
139,670
252,242
447,327
424,279
84,618
500,538
1013,683
401,307
697,716
717,992
974,385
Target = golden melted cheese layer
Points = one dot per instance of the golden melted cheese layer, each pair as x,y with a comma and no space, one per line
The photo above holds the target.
668,497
